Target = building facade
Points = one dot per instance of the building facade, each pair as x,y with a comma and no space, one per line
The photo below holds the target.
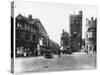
65,41
76,31
90,41
29,32
31,37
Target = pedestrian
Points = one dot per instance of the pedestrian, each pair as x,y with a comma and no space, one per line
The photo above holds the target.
25,53
59,52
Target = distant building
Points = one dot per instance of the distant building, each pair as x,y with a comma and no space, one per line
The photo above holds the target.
90,40
53,46
65,40
76,31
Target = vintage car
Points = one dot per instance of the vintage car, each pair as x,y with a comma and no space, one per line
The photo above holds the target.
48,54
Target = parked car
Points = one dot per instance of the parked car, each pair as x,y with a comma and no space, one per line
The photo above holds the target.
48,54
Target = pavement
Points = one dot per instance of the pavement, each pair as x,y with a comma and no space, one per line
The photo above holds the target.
65,62
78,53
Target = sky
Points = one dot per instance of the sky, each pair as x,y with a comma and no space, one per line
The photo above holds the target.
54,17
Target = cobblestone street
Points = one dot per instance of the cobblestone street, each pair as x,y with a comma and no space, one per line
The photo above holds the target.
66,62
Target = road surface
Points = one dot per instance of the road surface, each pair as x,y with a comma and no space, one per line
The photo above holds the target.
66,62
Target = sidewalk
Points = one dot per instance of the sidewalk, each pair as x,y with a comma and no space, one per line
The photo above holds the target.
79,53
38,57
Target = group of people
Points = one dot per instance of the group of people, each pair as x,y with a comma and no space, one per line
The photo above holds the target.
23,51
27,52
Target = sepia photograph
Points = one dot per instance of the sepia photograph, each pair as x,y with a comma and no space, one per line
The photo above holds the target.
50,37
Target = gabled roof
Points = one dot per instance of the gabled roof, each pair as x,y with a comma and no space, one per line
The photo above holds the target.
19,17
